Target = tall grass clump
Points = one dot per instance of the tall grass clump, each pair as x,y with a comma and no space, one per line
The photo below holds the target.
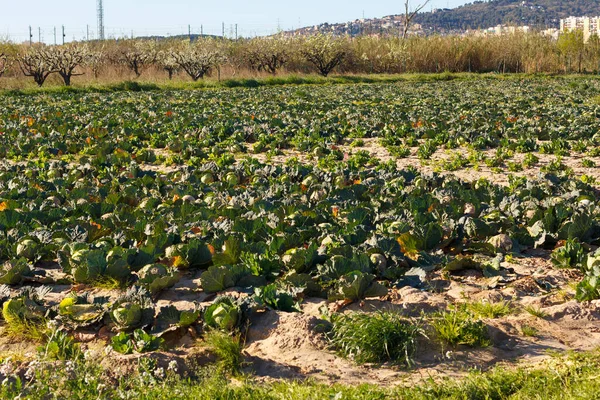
227,349
491,310
457,326
377,337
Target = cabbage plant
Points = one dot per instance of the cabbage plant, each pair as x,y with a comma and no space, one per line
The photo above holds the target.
224,314
133,310
15,272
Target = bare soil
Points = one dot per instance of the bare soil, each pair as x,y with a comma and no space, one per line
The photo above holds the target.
293,346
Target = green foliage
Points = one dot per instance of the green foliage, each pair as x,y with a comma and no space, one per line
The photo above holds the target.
488,309
79,311
459,327
157,277
60,347
375,338
227,349
25,315
536,312
96,202
571,255
170,319
529,331
357,286
567,376
195,254
224,313
589,288
139,342
15,272
133,310
270,296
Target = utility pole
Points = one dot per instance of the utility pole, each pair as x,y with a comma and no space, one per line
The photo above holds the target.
55,36
87,33
201,30
63,35
190,32
223,30
236,33
30,36
39,35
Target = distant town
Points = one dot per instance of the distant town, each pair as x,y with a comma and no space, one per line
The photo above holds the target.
394,24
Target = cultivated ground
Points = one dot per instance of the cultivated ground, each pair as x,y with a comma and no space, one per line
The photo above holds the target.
535,311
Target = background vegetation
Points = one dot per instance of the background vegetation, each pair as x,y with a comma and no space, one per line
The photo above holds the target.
159,61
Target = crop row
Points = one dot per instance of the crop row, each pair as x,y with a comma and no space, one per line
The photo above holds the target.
546,116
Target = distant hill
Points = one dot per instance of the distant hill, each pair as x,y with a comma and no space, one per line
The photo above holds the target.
476,15
485,14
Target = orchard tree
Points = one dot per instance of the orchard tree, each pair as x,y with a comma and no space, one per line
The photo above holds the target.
66,59
268,54
167,60
137,55
96,61
199,58
35,62
325,52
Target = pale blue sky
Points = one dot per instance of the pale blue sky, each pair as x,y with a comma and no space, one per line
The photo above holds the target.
172,17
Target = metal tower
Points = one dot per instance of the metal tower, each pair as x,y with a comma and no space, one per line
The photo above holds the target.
100,20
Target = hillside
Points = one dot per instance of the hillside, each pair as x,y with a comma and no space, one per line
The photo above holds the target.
484,14
476,15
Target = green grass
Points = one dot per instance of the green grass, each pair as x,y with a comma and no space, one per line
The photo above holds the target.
486,309
536,312
20,329
109,283
143,86
377,337
530,331
574,376
458,326
227,349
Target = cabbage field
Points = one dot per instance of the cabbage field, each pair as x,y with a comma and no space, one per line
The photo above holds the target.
416,227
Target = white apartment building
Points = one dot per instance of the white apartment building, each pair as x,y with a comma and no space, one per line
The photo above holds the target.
589,25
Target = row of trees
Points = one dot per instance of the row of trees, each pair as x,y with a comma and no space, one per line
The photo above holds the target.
530,53
197,59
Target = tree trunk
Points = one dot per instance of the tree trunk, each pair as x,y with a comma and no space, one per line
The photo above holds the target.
66,78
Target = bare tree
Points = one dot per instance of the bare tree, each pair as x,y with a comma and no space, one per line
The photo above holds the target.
325,52
35,63
200,57
409,15
66,59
